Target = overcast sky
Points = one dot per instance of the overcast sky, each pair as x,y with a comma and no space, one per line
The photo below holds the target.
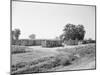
47,21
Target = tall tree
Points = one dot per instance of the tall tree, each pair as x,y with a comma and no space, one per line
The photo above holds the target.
73,32
80,31
15,34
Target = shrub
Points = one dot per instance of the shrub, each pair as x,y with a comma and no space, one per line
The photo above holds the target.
88,41
19,49
51,43
63,60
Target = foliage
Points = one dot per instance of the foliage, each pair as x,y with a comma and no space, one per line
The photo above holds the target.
88,41
40,65
52,43
19,49
73,32
65,57
15,34
32,36
27,42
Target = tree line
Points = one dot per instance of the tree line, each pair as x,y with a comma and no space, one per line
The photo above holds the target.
17,32
70,32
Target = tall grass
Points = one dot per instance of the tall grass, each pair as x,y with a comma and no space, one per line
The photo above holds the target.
64,58
19,49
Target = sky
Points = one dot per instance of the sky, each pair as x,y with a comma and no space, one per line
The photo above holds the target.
47,21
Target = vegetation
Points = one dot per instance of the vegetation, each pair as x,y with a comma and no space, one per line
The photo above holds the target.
28,60
73,32
32,36
19,49
15,34
52,43
26,42
64,57
88,41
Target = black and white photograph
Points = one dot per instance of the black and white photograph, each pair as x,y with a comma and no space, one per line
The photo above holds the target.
52,37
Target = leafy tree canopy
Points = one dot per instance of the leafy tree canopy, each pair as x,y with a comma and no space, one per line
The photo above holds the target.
32,36
73,32
15,34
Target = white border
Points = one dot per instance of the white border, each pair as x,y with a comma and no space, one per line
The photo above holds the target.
5,37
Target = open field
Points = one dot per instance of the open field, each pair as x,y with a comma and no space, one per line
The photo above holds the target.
39,59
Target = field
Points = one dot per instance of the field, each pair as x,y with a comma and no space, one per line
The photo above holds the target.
35,59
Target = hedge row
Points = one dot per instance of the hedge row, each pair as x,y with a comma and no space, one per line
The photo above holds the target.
43,43
71,42
26,42
88,41
48,43
51,43
19,49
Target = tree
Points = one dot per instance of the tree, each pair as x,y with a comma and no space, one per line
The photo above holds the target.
57,38
32,36
15,34
80,31
73,32
12,37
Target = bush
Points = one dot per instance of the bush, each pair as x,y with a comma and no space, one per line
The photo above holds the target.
88,50
88,41
52,43
63,59
26,42
19,49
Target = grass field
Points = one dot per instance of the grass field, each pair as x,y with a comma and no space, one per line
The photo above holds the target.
37,59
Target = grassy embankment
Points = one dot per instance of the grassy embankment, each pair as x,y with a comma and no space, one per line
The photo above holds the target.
35,61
